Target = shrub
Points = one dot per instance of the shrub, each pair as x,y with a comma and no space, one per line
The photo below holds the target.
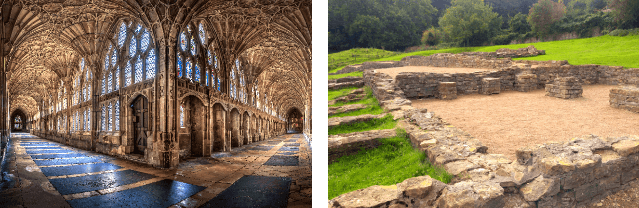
543,15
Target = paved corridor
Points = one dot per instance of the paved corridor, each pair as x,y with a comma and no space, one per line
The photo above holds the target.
42,173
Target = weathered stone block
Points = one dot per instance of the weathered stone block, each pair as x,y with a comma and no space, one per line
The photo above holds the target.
447,90
471,194
625,97
540,187
490,86
373,196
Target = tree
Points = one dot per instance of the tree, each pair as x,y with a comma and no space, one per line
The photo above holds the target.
518,24
543,15
392,24
470,22
626,13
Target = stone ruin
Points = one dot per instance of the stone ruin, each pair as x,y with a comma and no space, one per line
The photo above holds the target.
626,96
447,90
571,173
490,86
565,87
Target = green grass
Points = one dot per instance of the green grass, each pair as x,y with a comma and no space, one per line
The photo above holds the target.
355,56
602,50
370,100
352,74
332,94
386,122
392,162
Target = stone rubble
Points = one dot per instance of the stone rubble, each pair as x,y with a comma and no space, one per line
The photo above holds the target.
345,108
336,121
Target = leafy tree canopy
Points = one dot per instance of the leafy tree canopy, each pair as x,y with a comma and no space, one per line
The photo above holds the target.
470,22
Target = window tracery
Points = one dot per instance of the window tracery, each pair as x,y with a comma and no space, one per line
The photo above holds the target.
194,61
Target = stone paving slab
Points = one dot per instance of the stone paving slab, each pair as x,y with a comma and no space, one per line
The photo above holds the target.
286,153
163,193
292,144
262,148
97,182
49,151
36,145
45,147
291,140
52,156
254,191
284,148
67,161
278,160
78,169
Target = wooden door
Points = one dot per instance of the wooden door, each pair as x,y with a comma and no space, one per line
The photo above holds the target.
140,124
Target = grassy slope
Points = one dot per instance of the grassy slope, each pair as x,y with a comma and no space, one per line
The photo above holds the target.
602,50
370,100
392,162
355,56
386,122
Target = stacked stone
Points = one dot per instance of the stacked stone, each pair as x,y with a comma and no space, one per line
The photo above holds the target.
565,87
625,97
490,86
526,82
447,90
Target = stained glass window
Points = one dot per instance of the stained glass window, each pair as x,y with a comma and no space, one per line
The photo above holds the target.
110,83
179,65
110,113
106,61
188,69
210,59
84,127
182,116
218,84
202,35
88,125
117,115
127,74
103,118
207,78
122,34
132,47
138,71
114,57
183,41
193,46
197,73
137,30
215,57
150,65
116,85
144,43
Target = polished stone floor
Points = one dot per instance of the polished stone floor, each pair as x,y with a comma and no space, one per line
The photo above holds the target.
42,173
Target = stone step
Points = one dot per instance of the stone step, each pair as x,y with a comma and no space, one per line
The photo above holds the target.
345,109
355,95
336,121
335,141
337,86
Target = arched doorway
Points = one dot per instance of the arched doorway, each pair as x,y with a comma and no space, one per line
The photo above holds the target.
245,128
219,144
234,128
18,121
140,123
294,121
192,129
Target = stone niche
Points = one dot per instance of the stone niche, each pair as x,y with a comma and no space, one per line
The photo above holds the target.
565,87
526,82
447,90
625,97
490,86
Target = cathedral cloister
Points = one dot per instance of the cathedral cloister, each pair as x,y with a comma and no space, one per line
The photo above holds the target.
158,83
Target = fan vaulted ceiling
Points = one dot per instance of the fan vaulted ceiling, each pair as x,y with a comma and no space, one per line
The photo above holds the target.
44,41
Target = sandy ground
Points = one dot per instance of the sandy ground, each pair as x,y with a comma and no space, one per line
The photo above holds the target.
511,120
395,71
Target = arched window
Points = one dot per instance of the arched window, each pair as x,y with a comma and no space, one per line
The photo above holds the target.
135,48
117,115
191,55
182,116
86,89
103,118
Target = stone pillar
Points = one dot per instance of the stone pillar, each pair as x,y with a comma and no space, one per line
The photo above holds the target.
565,87
447,90
625,97
490,86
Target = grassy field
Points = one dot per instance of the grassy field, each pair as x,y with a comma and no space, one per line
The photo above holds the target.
355,56
392,162
602,50
386,122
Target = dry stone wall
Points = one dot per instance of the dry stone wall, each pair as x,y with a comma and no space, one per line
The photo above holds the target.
368,65
565,87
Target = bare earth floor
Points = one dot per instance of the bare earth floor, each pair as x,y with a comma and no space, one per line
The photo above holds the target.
510,120
395,71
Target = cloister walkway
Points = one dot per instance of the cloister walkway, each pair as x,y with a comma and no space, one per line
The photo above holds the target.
42,173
